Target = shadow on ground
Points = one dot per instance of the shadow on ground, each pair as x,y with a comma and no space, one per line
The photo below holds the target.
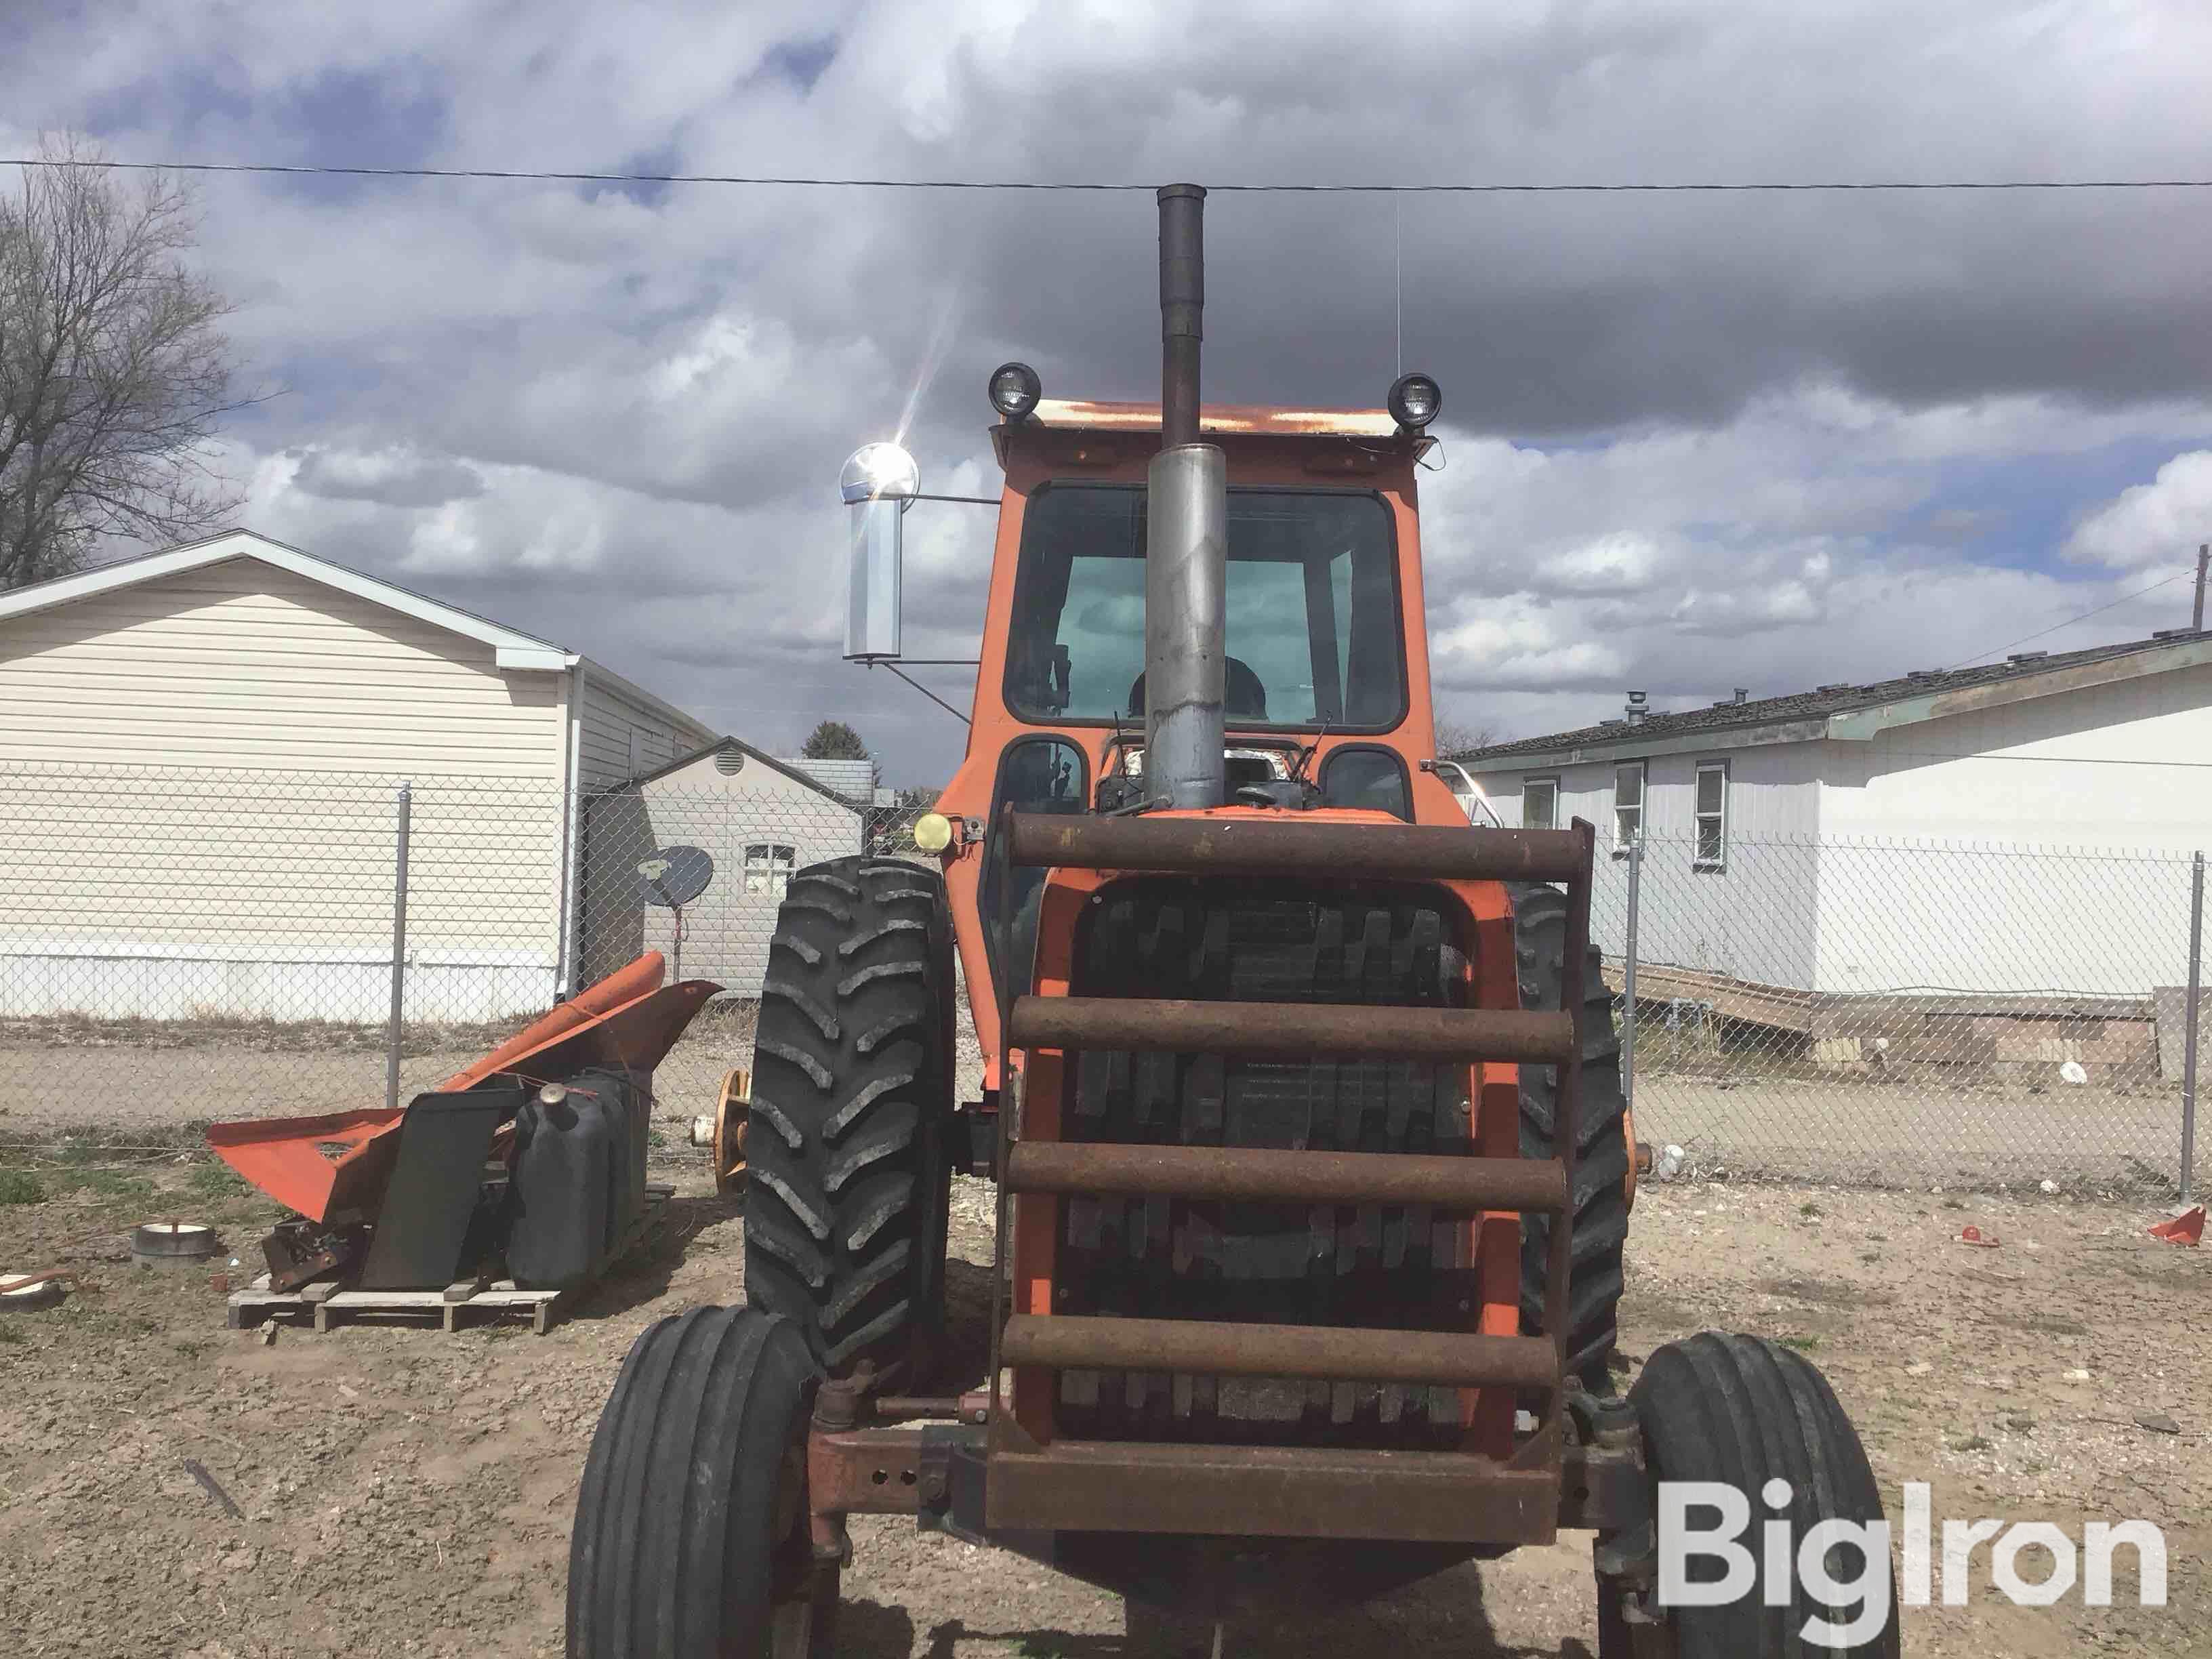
1400,1625
645,1273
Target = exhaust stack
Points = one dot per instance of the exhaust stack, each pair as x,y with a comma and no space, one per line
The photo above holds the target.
1186,538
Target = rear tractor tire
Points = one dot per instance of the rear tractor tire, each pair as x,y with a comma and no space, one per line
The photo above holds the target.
691,1539
1602,1160
848,1142
1741,1413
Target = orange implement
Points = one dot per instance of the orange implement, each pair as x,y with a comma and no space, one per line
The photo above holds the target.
625,985
327,1166
320,1166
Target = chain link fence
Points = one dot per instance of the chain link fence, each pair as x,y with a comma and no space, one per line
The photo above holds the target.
194,945
1894,1012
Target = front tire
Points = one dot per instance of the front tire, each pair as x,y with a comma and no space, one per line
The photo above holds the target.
1740,1412
691,1539
847,1145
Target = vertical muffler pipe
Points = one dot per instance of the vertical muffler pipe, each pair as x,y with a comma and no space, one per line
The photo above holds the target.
1186,538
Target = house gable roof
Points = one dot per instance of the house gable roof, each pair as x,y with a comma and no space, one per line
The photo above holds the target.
740,746
1850,713
511,649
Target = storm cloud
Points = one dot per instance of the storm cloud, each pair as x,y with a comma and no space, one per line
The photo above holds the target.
1690,442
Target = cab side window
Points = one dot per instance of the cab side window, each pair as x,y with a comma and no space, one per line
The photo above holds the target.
1036,775
1371,778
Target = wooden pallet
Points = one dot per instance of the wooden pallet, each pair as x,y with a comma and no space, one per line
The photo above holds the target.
328,1303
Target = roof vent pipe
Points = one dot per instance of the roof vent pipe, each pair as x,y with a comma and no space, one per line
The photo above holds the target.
1636,709
1743,693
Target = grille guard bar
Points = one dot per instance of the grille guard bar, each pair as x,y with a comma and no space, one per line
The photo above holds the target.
1335,852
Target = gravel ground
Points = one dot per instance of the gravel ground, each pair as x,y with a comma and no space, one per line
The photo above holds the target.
1919,1132
403,1491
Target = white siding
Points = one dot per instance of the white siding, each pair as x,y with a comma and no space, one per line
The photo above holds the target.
2027,787
855,780
726,931
627,733
2127,765
1753,919
245,866
2038,846
243,666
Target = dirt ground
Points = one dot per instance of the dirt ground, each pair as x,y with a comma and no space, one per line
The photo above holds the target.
1840,1129
404,1491
1920,1131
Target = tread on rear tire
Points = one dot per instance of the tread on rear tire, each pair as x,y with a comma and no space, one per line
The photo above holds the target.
690,1538
847,1146
1600,1195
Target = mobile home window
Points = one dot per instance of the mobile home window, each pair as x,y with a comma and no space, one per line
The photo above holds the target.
1627,806
1712,816
1539,804
769,865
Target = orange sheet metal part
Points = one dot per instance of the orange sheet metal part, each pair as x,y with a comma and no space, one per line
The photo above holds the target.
337,1163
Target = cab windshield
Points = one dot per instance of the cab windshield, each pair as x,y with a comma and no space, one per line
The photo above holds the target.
1313,624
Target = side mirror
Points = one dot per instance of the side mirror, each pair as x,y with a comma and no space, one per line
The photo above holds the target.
879,485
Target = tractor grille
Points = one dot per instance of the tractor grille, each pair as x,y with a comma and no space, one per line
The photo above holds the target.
1377,1266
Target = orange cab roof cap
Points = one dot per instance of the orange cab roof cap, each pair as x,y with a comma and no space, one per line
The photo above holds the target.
1252,420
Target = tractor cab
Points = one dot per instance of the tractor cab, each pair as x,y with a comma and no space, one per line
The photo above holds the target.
1325,704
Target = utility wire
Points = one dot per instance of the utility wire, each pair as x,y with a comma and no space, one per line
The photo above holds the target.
2070,621
1707,187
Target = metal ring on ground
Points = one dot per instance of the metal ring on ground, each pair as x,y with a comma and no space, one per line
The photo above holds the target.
31,1293
172,1243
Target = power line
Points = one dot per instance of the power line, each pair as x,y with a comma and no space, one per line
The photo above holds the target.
2070,621
1703,187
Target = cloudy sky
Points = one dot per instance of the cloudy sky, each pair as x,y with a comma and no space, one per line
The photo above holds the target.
1690,442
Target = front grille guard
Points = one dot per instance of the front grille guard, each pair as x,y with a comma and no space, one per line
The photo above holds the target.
1335,852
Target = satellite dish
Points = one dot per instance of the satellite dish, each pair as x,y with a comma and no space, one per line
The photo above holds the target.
674,875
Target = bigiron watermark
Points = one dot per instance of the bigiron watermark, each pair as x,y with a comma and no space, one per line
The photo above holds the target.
1705,1522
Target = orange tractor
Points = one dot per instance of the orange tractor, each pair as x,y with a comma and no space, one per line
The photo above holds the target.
1301,1094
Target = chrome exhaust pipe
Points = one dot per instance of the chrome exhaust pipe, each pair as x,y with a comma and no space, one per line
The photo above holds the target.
1187,538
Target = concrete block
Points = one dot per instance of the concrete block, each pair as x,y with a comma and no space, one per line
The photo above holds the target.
2169,1006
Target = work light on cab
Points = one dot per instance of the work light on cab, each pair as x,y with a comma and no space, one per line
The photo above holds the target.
1015,390
1415,401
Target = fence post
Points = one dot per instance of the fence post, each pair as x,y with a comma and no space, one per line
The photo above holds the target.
398,949
2189,1027
1628,972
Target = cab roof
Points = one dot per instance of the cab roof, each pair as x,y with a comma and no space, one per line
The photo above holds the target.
1359,438
1247,420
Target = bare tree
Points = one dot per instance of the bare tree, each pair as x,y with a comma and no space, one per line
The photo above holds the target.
113,368
1457,737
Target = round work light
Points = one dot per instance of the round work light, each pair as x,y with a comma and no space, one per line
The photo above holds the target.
1015,390
1415,401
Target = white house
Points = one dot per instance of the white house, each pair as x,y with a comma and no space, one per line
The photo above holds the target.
758,819
1908,835
200,756
852,780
